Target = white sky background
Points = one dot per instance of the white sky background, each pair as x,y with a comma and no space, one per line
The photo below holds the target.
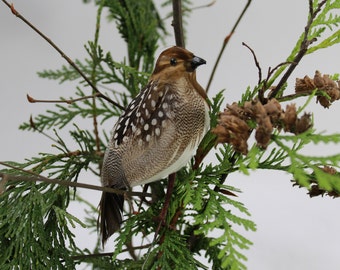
294,231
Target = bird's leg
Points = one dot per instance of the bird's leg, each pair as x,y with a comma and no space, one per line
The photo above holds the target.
170,188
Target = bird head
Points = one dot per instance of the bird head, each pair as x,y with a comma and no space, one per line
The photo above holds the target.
177,60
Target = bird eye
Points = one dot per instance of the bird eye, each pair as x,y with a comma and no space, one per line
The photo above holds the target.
173,61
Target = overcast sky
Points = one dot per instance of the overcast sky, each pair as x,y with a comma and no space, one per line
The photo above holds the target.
294,231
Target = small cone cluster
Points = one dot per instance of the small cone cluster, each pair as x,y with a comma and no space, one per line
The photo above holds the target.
315,189
237,122
323,83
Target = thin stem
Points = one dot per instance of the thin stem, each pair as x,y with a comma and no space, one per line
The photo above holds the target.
93,76
107,254
63,55
68,101
255,60
177,23
41,131
225,43
39,178
272,70
194,8
297,95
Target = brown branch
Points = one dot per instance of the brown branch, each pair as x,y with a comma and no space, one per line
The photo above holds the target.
194,8
63,55
107,254
262,89
255,60
177,23
272,70
68,101
298,94
35,128
95,124
39,178
225,43
303,48
93,79
204,6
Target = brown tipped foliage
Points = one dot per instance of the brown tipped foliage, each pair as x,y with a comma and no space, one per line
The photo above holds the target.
315,190
236,123
323,83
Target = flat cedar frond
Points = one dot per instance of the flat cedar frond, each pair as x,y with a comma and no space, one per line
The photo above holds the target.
37,224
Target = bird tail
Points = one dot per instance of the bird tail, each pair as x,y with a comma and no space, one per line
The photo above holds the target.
110,214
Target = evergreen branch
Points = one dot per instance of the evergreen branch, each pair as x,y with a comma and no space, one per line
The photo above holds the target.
54,119
304,45
225,43
68,59
84,257
39,178
140,26
302,166
298,95
327,42
35,128
34,228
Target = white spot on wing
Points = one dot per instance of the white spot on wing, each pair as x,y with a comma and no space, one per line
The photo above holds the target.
153,103
157,131
138,131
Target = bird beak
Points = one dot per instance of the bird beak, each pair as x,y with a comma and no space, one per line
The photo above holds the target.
197,61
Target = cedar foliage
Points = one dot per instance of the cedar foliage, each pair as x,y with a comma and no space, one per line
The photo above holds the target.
204,216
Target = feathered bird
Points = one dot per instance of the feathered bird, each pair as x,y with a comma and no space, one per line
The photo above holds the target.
157,134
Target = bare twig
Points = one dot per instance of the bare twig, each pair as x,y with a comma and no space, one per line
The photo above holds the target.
35,128
177,23
68,101
272,70
225,43
107,254
39,178
93,78
303,47
68,59
193,8
256,61
205,6
261,90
